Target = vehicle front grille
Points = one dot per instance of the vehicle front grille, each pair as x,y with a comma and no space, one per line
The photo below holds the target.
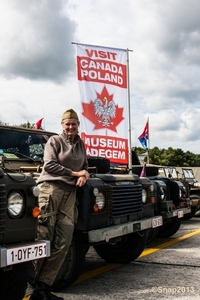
2,207
127,200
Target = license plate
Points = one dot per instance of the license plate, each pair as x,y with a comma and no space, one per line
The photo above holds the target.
180,214
25,253
156,222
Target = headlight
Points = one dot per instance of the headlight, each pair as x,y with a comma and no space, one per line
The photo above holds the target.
182,189
144,196
95,191
15,204
35,191
151,187
182,192
162,194
100,200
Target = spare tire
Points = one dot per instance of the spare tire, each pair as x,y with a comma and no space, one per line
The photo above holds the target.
150,170
98,164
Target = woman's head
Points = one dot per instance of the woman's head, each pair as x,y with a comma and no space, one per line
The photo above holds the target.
70,122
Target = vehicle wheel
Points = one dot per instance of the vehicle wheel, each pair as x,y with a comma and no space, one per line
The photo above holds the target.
152,234
169,229
102,164
13,282
124,251
150,170
191,214
73,265
197,214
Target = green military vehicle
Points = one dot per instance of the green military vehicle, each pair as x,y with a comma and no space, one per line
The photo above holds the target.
186,176
18,217
171,199
115,210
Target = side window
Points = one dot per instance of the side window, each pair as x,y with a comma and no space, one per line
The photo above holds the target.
36,145
23,143
36,151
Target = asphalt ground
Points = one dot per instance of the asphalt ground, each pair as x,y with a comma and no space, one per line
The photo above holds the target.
167,269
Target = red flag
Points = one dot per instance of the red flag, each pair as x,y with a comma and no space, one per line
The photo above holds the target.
38,124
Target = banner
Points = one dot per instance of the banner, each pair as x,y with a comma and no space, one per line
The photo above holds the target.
102,77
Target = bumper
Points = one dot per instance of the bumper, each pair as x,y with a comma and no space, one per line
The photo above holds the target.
176,213
107,233
21,253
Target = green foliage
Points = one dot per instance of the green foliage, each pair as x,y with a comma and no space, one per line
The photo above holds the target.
2,123
171,157
26,125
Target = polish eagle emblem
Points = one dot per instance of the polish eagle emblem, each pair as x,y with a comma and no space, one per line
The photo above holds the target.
103,111
106,110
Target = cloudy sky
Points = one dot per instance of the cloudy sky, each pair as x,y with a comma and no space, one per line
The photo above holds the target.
38,68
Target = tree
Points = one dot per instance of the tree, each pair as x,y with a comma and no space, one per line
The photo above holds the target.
171,157
26,125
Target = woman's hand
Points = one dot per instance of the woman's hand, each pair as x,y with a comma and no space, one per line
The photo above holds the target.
80,174
81,181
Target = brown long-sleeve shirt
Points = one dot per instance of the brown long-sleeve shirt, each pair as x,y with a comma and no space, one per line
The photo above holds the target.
61,157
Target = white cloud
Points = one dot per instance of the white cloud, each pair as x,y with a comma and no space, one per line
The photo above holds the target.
35,41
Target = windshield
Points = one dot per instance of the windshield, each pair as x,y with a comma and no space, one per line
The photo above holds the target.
188,173
170,172
27,143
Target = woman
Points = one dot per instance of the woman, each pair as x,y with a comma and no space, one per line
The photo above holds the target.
65,169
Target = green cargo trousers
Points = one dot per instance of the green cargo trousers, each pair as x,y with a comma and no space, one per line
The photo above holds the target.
56,223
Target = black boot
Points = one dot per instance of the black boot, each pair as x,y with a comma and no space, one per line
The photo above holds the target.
42,292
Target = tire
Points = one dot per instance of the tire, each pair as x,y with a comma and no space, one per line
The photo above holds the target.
73,265
152,234
150,170
191,214
197,214
169,229
13,282
102,164
126,250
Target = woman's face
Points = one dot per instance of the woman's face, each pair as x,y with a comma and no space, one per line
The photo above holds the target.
70,127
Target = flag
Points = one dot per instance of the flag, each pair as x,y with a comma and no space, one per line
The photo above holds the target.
103,84
38,124
143,172
144,136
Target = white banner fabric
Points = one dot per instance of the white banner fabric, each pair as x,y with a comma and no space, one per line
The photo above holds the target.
102,77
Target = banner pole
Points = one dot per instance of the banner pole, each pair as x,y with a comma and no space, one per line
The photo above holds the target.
129,117
148,151
43,119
